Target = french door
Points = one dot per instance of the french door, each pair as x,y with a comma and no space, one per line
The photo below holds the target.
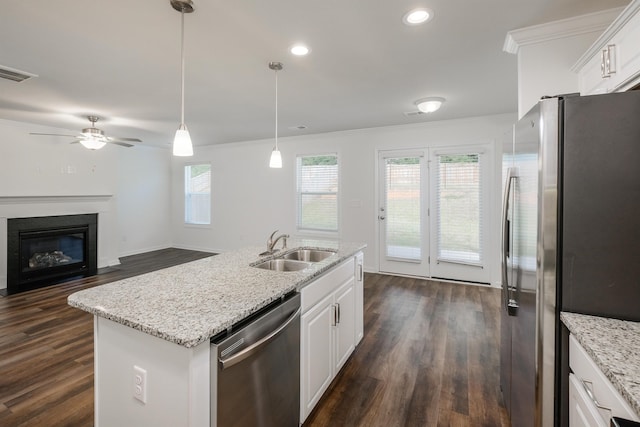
403,213
432,213
459,220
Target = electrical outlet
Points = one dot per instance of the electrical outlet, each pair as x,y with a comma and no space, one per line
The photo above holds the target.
140,384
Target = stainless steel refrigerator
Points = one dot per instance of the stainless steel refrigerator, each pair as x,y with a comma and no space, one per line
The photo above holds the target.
570,240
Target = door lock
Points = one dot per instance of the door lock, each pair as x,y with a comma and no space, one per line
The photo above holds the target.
380,217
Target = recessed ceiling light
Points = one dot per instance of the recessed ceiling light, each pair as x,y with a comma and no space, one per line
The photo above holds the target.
429,105
417,16
299,50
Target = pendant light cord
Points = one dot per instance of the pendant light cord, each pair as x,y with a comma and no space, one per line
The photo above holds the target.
276,110
182,69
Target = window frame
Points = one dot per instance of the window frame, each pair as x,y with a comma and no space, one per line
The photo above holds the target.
186,195
298,193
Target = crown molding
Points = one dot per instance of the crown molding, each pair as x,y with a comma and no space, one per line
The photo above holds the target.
578,25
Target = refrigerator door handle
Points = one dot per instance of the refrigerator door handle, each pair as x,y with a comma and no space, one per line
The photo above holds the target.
510,303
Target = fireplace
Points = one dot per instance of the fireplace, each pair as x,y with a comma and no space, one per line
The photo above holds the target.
42,251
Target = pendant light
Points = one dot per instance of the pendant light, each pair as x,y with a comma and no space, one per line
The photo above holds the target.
276,157
182,141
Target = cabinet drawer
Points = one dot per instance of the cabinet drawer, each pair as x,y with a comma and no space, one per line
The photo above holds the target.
325,284
582,411
588,373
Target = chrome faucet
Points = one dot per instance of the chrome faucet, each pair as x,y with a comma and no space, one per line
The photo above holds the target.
271,242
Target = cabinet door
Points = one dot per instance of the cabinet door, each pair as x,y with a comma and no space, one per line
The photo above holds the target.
628,50
316,361
582,411
345,329
359,289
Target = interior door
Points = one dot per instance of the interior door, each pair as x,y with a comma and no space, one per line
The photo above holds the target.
403,212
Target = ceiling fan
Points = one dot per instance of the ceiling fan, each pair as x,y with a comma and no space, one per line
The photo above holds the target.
94,138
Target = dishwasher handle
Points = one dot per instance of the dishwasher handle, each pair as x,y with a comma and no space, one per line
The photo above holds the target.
255,347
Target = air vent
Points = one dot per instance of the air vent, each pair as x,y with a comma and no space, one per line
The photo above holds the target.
413,113
15,75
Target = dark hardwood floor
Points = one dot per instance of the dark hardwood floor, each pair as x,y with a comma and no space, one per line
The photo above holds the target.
429,356
46,347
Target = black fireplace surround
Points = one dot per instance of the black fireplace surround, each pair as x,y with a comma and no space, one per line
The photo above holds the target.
42,251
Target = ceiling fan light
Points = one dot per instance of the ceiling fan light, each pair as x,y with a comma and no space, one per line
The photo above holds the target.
276,159
429,105
182,142
93,143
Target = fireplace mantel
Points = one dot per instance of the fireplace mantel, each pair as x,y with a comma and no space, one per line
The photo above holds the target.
61,198
35,205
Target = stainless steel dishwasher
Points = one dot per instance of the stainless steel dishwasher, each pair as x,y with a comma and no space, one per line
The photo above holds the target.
255,369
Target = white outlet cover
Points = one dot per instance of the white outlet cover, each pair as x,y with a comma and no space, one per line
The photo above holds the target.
140,384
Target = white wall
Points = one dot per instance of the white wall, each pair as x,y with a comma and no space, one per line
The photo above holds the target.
250,200
143,199
128,187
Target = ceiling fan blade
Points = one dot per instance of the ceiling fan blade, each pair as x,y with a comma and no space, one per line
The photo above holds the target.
52,134
115,138
124,144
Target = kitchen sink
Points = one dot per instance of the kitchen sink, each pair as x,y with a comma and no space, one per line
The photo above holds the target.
308,255
281,264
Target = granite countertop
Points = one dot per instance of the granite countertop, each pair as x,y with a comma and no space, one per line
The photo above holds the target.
613,345
189,303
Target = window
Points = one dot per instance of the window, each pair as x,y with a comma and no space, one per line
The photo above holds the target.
197,194
317,192
459,209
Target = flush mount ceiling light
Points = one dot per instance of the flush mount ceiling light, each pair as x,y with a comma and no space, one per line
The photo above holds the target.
429,105
299,50
182,145
417,16
276,158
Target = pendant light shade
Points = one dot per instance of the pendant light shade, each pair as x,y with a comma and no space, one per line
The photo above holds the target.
276,158
182,145
182,142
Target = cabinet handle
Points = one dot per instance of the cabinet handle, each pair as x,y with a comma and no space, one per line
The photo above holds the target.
334,314
611,60
338,312
360,273
603,71
592,396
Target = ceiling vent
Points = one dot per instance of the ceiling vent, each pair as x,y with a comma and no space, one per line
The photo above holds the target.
413,113
15,75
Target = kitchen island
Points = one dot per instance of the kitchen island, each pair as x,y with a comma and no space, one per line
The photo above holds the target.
161,323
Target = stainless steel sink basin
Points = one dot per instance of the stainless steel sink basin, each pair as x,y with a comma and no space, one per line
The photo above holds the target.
308,255
281,264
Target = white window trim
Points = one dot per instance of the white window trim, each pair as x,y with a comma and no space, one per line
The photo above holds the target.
184,197
303,232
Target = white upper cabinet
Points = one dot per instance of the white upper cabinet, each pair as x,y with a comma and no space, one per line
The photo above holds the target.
612,63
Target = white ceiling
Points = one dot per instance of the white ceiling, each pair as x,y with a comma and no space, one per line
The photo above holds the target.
120,60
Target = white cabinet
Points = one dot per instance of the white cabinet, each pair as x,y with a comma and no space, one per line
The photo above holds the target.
593,400
328,332
359,289
612,64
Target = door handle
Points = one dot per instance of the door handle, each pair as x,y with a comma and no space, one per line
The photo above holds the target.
240,356
511,304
